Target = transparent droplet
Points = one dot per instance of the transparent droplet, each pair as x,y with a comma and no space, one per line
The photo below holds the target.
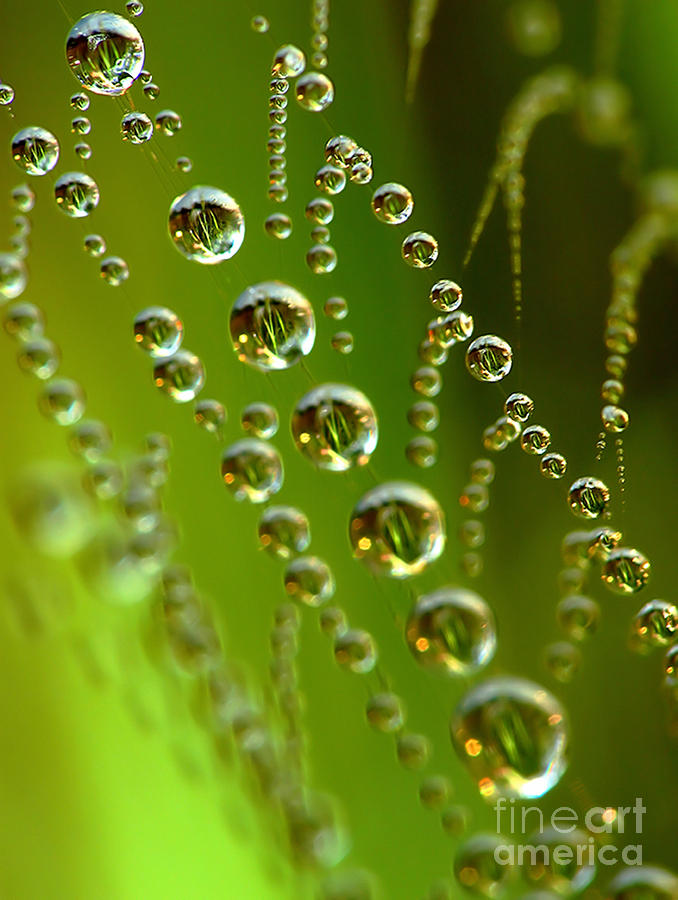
424,416
320,210
23,198
553,465
535,439
336,308
23,321
489,358
562,660
320,234
626,571
314,91
454,820
422,452
335,427
477,869
656,624
288,61
355,651
13,277
252,470
80,101
588,497
342,342
472,533
456,326
564,872
260,420
578,617
63,401
427,382
158,331
35,150
333,621
392,203
284,531
419,250
114,270
614,419
94,245
278,225
321,259
432,352
413,750
184,164
330,180
210,415
385,712
397,529
103,479
519,407
206,225
272,326
260,24
445,295
339,149
671,666
90,440
309,580
81,125
6,94
39,357
475,498
180,376
434,791
151,91
451,631
105,52
76,194
83,150
513,736
136,127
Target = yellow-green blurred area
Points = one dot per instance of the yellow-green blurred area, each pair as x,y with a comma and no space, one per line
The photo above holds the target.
110,786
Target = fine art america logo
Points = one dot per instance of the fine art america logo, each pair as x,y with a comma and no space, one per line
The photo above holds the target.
568,837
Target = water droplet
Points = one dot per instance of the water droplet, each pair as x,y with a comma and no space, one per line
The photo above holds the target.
288,61
260,420
564,872
90,440
578,617
83,150
39,357
314,91
6,94
94,245
342,342
397,529
210,415
588,497
114,270
63,401
320,210
562,660
336,308
513,736
475,498
272,326
451,631
321,259
330,180
612,391
158,331
419,250
426,381
23,321
252,470
489,358
103,479
445,295
615,366
451,328
424,416
434,791
333,621
180,376
626,571
338,150
392,204
431,352
477,869
454,820
309,580
422,452
535,439
260,24
413,750
614,419
184,164
81,125
151,91
35,150
335,427
472,533
105,52
534,26
355,651
23,198
519,407
656,624
284,531
385,712
278,225
13,277
320,234
206,225
553,465
76,194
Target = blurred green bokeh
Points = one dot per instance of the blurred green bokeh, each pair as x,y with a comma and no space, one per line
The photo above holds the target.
108,787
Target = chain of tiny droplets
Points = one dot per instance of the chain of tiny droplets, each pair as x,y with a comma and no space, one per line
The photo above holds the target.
320,23
277,134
